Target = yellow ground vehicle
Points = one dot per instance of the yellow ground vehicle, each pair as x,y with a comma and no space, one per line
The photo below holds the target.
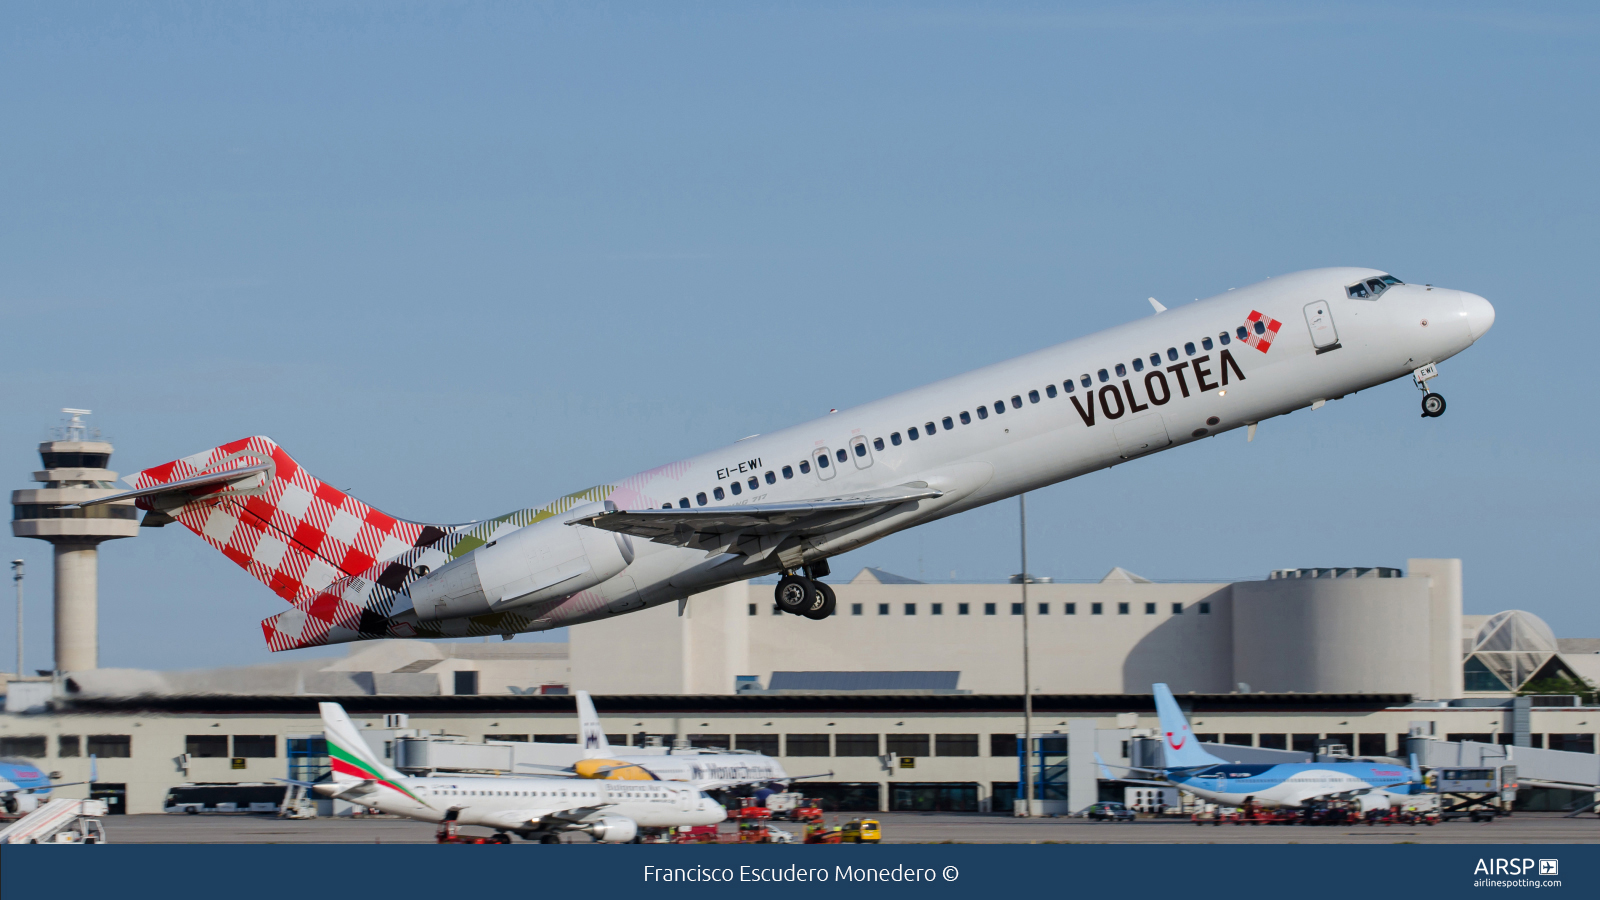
861,831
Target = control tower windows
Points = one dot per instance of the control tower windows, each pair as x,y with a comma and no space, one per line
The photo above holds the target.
75,460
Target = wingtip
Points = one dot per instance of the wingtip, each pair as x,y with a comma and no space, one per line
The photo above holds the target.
1157,305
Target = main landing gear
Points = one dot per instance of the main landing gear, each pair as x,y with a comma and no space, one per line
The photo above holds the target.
1432,404
804,594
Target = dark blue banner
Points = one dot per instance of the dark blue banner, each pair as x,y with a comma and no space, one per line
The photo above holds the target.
929,870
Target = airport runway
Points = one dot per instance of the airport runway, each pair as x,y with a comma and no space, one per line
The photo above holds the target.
898,828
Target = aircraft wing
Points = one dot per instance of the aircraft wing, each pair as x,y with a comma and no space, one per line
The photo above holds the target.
173,494
755,529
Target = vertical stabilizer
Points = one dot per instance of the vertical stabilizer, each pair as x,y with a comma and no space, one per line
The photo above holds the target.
590,734
351,759
1181,747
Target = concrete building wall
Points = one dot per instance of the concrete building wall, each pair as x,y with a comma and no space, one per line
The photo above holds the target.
1334,634
1446,629
732,631
157,740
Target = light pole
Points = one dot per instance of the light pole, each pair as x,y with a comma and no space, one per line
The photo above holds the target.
1027,673
16,575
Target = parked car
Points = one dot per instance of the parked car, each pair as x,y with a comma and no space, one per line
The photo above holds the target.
861,831
1111,812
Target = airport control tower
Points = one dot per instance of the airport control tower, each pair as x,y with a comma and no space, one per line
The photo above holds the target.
74,470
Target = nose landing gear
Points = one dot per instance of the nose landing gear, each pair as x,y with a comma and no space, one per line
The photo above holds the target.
1432,404
799,595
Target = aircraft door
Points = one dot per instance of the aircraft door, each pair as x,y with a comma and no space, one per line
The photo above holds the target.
1145,434
1319,318
686,798
860,452
823,460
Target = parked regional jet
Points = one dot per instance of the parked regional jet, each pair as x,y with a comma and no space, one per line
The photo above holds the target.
1287,784
705,769
535,807
783,503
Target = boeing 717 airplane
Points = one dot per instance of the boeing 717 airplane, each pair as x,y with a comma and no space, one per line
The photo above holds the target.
783,503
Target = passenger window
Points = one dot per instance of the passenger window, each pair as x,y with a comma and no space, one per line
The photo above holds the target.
930,428
735,488
1206,343
966,417
1138,365
999,406
787,473
841,454
1223,337
861,449
1172,354
1068,385
983,412
1188,349
683,502
1242,332
1261,327
718,493
912,433
700,498
877,444
771,478
1122,370
753,483
1084,380
1104,376
1016,401
1155,360
805,467
895,439
1050,391
1033,396
822,460
666,506
949,423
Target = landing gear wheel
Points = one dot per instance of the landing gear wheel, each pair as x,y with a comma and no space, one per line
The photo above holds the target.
823,603
795,594
1432,405
500,837
549,838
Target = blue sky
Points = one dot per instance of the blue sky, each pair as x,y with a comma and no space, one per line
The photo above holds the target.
463,258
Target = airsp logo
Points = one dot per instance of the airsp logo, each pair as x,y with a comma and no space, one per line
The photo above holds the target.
1549,867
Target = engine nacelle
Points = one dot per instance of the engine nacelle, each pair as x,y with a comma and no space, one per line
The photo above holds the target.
614,830
543,561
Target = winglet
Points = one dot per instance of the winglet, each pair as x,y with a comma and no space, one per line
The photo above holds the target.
1157,304
590,734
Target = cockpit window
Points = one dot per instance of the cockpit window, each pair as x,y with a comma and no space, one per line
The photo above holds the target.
1372,287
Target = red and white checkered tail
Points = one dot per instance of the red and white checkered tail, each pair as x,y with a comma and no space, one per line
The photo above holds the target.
294,533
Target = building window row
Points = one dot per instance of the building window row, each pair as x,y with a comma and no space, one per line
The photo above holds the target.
989,609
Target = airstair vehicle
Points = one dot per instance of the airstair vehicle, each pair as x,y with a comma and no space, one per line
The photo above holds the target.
59,822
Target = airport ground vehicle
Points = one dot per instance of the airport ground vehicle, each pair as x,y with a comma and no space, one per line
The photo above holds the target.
59,822
1110,811
246,797
861,831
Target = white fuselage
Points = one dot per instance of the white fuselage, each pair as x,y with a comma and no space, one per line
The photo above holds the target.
523,803
709,769
1027,438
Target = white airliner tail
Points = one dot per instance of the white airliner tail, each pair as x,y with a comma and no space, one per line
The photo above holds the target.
1182,749
350,758
590,734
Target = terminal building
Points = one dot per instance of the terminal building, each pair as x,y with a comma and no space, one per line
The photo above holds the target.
909,698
